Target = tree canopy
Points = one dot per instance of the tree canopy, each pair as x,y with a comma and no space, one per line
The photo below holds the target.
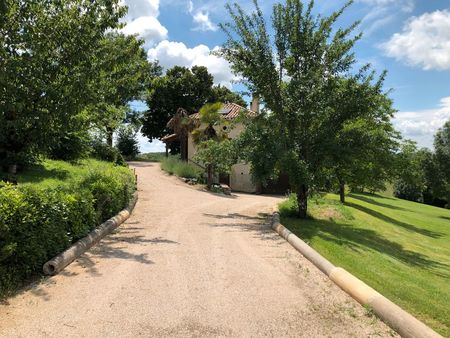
185,88
298,72
46,69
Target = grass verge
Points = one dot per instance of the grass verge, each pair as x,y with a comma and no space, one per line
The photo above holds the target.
400,248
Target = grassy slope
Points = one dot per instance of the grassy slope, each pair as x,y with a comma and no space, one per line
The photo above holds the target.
53,174
400,248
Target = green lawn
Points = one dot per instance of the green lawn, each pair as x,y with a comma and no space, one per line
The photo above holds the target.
150,157
54,174
400,248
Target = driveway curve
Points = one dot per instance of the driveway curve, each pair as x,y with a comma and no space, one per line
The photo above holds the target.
189,263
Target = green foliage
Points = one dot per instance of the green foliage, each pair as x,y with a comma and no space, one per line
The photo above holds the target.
72,146
174,166
127,142
442,159
37,221
111,192
179,88
362,152
47,71
123,73
411,182
223,94
219,156
303,75
398,247
210,122
105,152
185,88
421,175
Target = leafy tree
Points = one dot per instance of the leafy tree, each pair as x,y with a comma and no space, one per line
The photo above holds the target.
217,156
46,69
223,94
123,75
411,182
362,151
179,88
215,150
294,71
441,180
127,142
442,149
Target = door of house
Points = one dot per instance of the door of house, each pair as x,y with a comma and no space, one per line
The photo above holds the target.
224,179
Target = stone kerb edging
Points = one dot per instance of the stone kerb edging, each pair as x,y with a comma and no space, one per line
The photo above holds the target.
59,262
397,318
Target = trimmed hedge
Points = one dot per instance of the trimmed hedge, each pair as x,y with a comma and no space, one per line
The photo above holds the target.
37,224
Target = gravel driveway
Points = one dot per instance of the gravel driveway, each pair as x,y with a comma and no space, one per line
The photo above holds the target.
189,263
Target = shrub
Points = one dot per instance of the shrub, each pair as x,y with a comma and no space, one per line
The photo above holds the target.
38,223
104,152
127,143
72,146
174,166
110,193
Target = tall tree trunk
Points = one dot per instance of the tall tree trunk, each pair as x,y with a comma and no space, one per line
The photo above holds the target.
109,136
342,192
210,176
302,200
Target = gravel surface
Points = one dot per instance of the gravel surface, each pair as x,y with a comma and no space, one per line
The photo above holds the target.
189,263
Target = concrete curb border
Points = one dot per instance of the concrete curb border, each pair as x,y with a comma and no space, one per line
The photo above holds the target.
59,262
397,318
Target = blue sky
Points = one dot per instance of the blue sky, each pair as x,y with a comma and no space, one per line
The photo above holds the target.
408,38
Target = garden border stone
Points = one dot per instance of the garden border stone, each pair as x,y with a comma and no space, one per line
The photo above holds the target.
59,262
398,319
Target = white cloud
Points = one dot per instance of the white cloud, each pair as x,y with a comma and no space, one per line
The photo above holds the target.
201,19
142,19
171,53
424,41
203,23
190,6
148,28
383,12
138,8
156,146
421,126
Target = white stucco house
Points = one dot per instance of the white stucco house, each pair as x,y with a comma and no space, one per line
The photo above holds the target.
239,178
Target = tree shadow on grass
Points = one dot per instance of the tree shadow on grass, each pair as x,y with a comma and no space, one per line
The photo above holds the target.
445,217
393,221
359,240
375,202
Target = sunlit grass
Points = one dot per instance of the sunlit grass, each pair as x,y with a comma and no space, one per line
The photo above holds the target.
400,248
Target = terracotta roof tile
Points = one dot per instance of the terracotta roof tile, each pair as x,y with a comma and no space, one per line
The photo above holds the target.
233,111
